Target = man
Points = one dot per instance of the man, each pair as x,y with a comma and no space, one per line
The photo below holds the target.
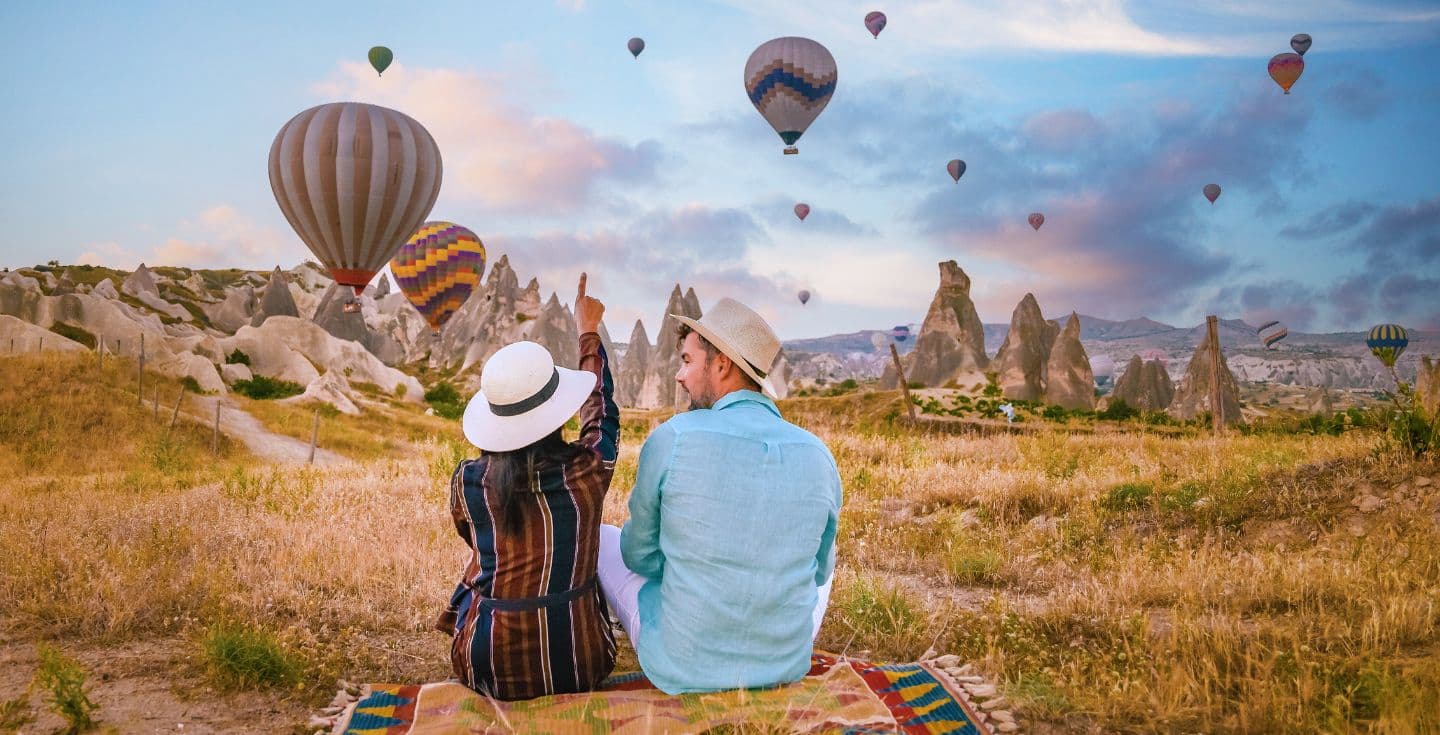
722,573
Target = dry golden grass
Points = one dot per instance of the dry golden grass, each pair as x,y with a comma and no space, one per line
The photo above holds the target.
1109,582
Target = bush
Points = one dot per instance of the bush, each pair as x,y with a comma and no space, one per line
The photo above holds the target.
237,358
1054,413
445,400
262,388
245,657
189,383
992,385
1118,410
1127,496
72,332
63,680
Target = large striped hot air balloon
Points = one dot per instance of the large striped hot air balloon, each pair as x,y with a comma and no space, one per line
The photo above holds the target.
354,180
790,80
437,268
1271,333
1387,342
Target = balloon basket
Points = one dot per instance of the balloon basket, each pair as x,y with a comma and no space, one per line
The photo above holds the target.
352,307
792,150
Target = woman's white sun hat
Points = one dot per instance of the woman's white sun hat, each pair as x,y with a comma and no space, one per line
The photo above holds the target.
523,397
744,336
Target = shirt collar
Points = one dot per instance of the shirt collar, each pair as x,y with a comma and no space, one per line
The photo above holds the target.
742,396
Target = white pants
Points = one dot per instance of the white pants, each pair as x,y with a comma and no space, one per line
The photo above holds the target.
622,586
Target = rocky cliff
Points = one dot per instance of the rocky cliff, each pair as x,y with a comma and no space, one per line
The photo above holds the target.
1193,396
1144,385
1020,364
1069,381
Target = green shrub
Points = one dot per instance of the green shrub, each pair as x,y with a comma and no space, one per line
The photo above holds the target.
242,657
992,385
262,388
191,384
13,716
63,681
1054,413
72,332
237,357
1127,496
446,400
1118,410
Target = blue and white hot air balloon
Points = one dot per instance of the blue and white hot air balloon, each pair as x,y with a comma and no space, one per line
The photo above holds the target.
790,80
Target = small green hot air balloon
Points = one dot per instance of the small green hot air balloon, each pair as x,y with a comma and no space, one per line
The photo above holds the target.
380,58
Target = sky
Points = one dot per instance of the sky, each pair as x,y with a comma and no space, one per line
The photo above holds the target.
140,132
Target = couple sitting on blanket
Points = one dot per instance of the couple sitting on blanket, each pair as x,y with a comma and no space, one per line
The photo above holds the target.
721,575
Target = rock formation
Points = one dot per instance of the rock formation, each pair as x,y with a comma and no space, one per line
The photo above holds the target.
231,313
331,316
630,371
140,281
1023,357
63,286
293,349
951,347
1069,382
1193,395
331,388
20,336
491,318
1427,387
277,300
1144,385
556,331
660,389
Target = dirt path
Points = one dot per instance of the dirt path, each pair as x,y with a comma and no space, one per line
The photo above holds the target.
261,442
138,688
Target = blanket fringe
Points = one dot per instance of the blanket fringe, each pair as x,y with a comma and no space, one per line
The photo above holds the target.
336,715
984,697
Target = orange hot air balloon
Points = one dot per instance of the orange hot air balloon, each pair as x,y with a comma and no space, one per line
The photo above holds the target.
1286,69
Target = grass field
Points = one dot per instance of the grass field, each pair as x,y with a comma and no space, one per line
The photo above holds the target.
1121,581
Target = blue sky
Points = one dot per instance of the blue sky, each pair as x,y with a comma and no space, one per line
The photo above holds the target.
139,131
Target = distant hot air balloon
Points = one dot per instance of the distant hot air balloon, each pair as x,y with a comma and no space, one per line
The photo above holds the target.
354,180
802,210
1212,192
380,58
437,268
1270,333
790,80
636,45
1387,342
1286,69
956,167
1301,43
1103,368
1036,219
900,333
875,22
804,297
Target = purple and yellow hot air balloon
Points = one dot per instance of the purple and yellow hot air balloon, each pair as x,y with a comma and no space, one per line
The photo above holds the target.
437,268
353,180
1286,69
956,167
1036,219
1387,342
802,210
790,80
1212,192
875,22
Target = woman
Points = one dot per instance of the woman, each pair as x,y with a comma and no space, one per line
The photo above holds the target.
528,618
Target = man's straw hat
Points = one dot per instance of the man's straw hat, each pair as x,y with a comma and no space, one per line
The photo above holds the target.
742,335
523,397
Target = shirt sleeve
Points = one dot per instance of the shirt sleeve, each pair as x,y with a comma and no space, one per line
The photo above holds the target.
599,416
825,556
640,538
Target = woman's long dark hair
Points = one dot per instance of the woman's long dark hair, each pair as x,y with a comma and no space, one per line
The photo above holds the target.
511,473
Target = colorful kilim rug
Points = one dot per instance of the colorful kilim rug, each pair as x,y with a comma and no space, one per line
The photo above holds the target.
837,696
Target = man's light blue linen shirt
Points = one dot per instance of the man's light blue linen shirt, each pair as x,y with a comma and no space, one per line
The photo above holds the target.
732,522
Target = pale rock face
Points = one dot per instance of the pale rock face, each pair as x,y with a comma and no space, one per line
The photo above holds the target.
1144,385
555,330
660,389
1069,381
232,373
1193,395
950,348
491,318
196,285
106,289
188,364
631,371
277,301
204,345
64,285
24,337
290,348
331,388
310,278
140,281
394,318
235,310
1023,357
154,301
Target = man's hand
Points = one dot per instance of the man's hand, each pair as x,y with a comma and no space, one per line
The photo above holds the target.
588,310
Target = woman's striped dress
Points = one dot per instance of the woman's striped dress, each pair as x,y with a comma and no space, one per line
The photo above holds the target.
528,618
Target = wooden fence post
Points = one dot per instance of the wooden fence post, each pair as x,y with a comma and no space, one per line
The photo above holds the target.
157,403
314,435
140,374
1217,412
176,413
215,435
904,385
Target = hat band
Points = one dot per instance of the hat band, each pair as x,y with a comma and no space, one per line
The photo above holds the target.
527,404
